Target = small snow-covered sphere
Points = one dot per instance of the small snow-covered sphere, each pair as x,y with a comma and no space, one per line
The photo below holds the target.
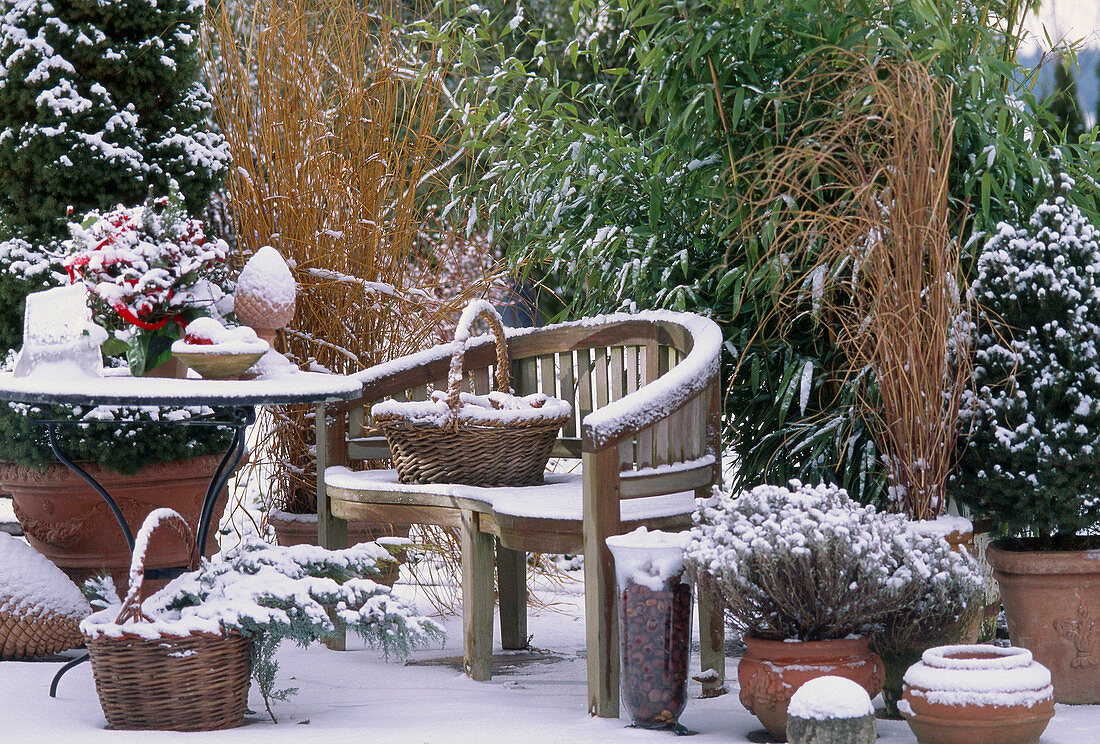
40,608
831,710
266,293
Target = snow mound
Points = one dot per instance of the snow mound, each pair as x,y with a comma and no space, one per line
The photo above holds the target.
31,584
266,274
830,697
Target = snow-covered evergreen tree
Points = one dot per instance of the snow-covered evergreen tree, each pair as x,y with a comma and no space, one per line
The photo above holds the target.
100,104
1033,415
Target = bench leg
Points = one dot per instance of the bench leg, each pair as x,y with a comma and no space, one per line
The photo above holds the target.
712,641
512,587
477,599
601,617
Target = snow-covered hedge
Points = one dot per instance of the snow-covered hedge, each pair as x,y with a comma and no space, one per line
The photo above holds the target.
808,563
1033,417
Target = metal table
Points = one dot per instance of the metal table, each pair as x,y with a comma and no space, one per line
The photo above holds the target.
240,396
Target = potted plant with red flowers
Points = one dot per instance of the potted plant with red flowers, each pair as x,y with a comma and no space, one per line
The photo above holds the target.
132,124
149,270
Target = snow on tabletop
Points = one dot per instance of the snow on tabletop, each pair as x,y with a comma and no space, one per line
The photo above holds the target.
31,584
652,403
830,697
648,558
559,497
1010,677
267,274
273,385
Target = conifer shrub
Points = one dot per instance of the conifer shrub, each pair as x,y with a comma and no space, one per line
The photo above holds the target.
100,105
1033,416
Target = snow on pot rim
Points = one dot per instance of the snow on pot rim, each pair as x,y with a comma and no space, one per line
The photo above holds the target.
979,675
830,697
648,557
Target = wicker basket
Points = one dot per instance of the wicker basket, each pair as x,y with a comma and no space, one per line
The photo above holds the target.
189,682
506,452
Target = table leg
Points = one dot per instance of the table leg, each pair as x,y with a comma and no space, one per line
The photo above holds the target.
51,431
243,416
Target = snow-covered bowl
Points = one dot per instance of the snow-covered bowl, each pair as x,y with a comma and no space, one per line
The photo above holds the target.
831,710
216,352
977,695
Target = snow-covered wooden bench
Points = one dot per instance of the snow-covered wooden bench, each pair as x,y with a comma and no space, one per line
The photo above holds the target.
646,397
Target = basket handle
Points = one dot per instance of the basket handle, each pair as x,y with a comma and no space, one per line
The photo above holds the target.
477,309
131,605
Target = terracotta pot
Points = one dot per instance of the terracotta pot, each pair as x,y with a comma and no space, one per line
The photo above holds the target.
771,671
301,529
68,522
977,695
1052,602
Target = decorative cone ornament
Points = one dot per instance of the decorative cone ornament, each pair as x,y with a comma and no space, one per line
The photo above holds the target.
265,294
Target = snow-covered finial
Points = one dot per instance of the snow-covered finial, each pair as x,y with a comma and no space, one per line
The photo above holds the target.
265,294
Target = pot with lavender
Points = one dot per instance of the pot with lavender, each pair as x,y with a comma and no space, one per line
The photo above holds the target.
654,625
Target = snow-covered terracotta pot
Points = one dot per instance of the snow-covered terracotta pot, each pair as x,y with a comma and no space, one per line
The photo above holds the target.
771,671
68,522
1052,603
977,695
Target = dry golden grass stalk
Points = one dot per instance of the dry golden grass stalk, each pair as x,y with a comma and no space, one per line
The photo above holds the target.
334,125
865,191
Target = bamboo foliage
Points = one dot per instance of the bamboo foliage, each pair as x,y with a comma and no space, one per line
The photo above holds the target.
334,127
865,191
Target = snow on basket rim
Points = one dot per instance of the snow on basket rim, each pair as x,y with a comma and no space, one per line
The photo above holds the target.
830,697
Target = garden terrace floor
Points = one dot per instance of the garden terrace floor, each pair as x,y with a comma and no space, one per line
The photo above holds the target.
357,694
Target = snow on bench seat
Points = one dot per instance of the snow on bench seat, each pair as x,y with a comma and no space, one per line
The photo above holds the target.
559,497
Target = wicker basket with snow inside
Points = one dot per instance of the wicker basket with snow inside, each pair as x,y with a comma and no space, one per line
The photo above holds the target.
831,710
977,695
498,439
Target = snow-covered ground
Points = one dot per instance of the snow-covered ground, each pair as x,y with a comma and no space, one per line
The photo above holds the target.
356,696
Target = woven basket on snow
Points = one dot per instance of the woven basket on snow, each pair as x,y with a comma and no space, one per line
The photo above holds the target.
40,608
188,682
508,452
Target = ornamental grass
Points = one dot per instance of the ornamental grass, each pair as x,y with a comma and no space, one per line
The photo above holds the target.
865,192
336,130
